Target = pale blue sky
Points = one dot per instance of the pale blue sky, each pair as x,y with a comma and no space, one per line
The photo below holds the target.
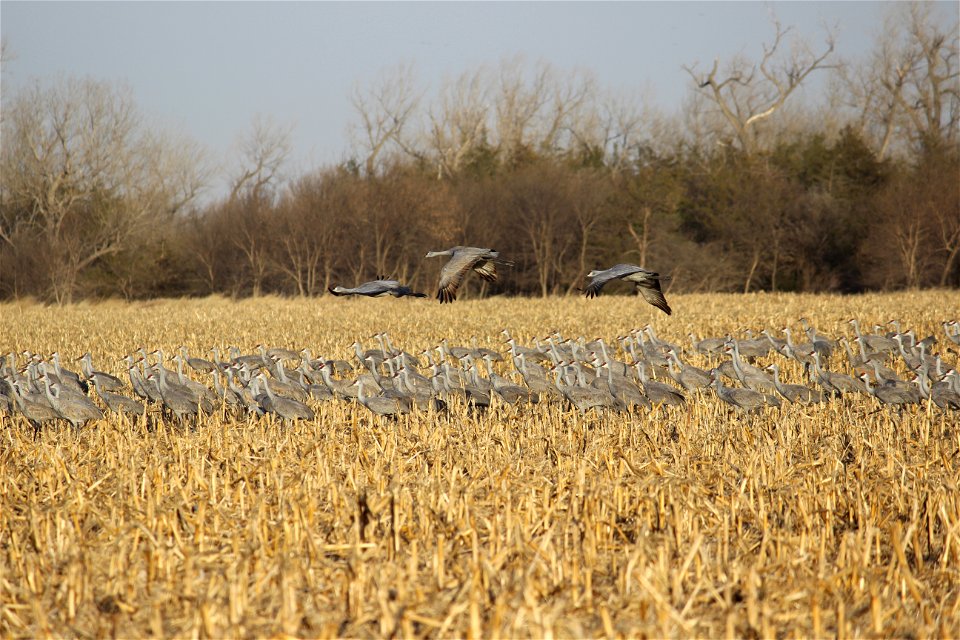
207,68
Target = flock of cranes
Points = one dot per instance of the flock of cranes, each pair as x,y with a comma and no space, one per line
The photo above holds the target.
463,260
639,372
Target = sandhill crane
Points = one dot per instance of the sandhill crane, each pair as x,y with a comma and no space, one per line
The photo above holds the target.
247,396
138,382
117,402
535,378
175,399
751,347
689,377
833,382
506,389
280,353
952,329
865,361
873,341
663,345
620,387
340,388
75,409
516,350
380,405
67,378
287,408
197,364
891,395
37,412
942,393
377,288
708,346
105,380
389,351
797,393
749,375
647,283
746,400
801,352
193,389
580,396
6,397
462,261
822,344
417,390
658,392
228,396
315,389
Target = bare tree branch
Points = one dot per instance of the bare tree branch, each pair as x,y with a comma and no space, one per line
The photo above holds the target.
745,98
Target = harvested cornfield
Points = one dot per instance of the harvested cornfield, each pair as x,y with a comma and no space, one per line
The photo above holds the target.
838,519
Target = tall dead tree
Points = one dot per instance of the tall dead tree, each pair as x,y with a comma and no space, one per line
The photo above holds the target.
459,124
385,109
745,93
906,94
263,152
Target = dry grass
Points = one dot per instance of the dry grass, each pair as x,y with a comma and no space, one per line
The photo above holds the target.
834,520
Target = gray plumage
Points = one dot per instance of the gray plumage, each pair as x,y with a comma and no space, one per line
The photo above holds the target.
745,399
176,398
647,283
116,402
462,261
708,346
942,393
689,377
377,288
75,409
287,408
797,393
582,397
381,405
105,381
836,383
658,392
888,394
36,410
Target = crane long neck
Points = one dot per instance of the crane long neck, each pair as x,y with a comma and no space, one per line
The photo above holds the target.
776,377
266,387
924,386
47,391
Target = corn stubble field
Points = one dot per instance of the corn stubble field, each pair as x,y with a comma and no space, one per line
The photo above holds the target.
839,519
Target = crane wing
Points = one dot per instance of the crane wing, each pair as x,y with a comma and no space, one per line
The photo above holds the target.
601,278
487,270
451,275
651,292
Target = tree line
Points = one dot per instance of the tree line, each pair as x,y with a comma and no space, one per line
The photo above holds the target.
749,188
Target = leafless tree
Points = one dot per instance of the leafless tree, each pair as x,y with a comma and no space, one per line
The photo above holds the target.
385,109
589,197
912,80
83,178
517,103
263,152
611,126
255,186
459,124
538,208
746,93
568,99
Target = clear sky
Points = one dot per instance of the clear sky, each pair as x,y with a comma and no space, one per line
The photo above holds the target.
208,68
